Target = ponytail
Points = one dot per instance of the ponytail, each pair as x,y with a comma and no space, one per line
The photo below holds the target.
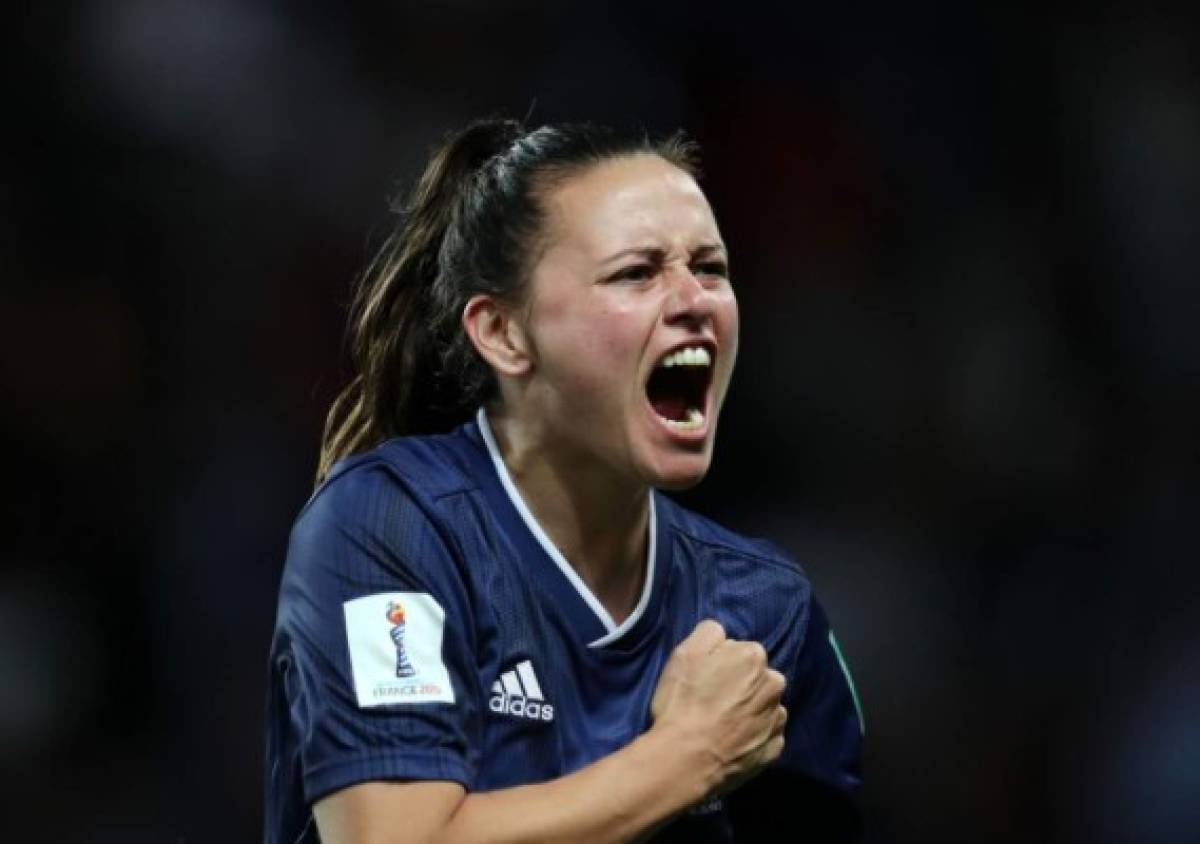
467,228
394,319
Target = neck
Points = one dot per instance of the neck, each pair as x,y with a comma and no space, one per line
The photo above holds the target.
599,522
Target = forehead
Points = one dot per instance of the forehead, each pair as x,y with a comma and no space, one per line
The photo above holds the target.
640,200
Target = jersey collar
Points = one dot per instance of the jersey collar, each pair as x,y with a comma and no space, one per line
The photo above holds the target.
587,615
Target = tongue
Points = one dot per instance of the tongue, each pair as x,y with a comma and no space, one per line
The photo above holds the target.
670,407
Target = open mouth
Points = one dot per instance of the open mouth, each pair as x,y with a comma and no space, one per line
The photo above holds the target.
678,387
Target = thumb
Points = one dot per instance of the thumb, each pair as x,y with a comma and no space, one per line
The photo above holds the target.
707,635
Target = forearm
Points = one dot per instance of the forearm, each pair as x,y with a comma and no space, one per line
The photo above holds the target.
616,799
717,720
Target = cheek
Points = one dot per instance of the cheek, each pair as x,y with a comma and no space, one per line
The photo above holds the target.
729,311
582,344
726,319
725,323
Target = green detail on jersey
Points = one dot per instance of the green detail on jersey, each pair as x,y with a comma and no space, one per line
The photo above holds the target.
862,725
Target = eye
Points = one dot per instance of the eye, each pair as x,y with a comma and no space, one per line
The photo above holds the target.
634,272
715,268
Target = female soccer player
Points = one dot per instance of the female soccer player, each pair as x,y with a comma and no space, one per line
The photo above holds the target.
492,625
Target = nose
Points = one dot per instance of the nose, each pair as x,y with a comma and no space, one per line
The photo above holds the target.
690,302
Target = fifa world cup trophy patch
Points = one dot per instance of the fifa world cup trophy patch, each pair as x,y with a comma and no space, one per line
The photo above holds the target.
395,614
395,643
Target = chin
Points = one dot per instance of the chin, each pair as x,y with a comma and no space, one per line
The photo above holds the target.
682,484
680,474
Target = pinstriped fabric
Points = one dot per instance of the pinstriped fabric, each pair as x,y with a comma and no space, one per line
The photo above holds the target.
532,701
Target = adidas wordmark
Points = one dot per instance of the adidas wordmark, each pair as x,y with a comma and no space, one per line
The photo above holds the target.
518,693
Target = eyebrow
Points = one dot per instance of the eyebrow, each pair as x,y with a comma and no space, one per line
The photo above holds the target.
656,253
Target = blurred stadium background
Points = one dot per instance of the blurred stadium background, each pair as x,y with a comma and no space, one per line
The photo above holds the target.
966,244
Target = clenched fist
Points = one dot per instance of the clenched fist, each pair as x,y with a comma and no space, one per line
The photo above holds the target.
721,700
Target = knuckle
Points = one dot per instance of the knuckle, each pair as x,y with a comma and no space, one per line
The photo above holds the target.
682,649
776,747
706,635
781,717
756,653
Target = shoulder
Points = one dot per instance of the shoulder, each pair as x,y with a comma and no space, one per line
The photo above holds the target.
412,471
753,583
387,505
729,548
425,468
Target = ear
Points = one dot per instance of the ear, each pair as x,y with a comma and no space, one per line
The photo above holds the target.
497,335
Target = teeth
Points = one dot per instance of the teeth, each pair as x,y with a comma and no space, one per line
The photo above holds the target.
695,419
691,356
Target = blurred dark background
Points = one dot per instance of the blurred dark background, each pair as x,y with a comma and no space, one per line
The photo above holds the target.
966,241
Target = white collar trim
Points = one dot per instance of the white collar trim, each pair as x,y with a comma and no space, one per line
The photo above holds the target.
615,631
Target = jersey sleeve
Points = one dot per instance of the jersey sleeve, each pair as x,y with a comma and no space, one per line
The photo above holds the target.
824,734
373,660
810,792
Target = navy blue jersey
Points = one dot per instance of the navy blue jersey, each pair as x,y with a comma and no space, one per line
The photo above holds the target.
428,630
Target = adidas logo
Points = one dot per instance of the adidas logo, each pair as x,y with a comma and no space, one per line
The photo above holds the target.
518,693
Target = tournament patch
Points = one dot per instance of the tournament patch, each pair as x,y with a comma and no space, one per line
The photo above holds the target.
395,641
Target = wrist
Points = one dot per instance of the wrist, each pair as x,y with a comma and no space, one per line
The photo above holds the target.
685,766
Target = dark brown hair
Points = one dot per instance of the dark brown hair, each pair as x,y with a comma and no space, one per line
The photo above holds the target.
470,226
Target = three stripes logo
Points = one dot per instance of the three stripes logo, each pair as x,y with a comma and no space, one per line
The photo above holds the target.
518,693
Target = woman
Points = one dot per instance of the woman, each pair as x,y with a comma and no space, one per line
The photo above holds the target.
491,626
